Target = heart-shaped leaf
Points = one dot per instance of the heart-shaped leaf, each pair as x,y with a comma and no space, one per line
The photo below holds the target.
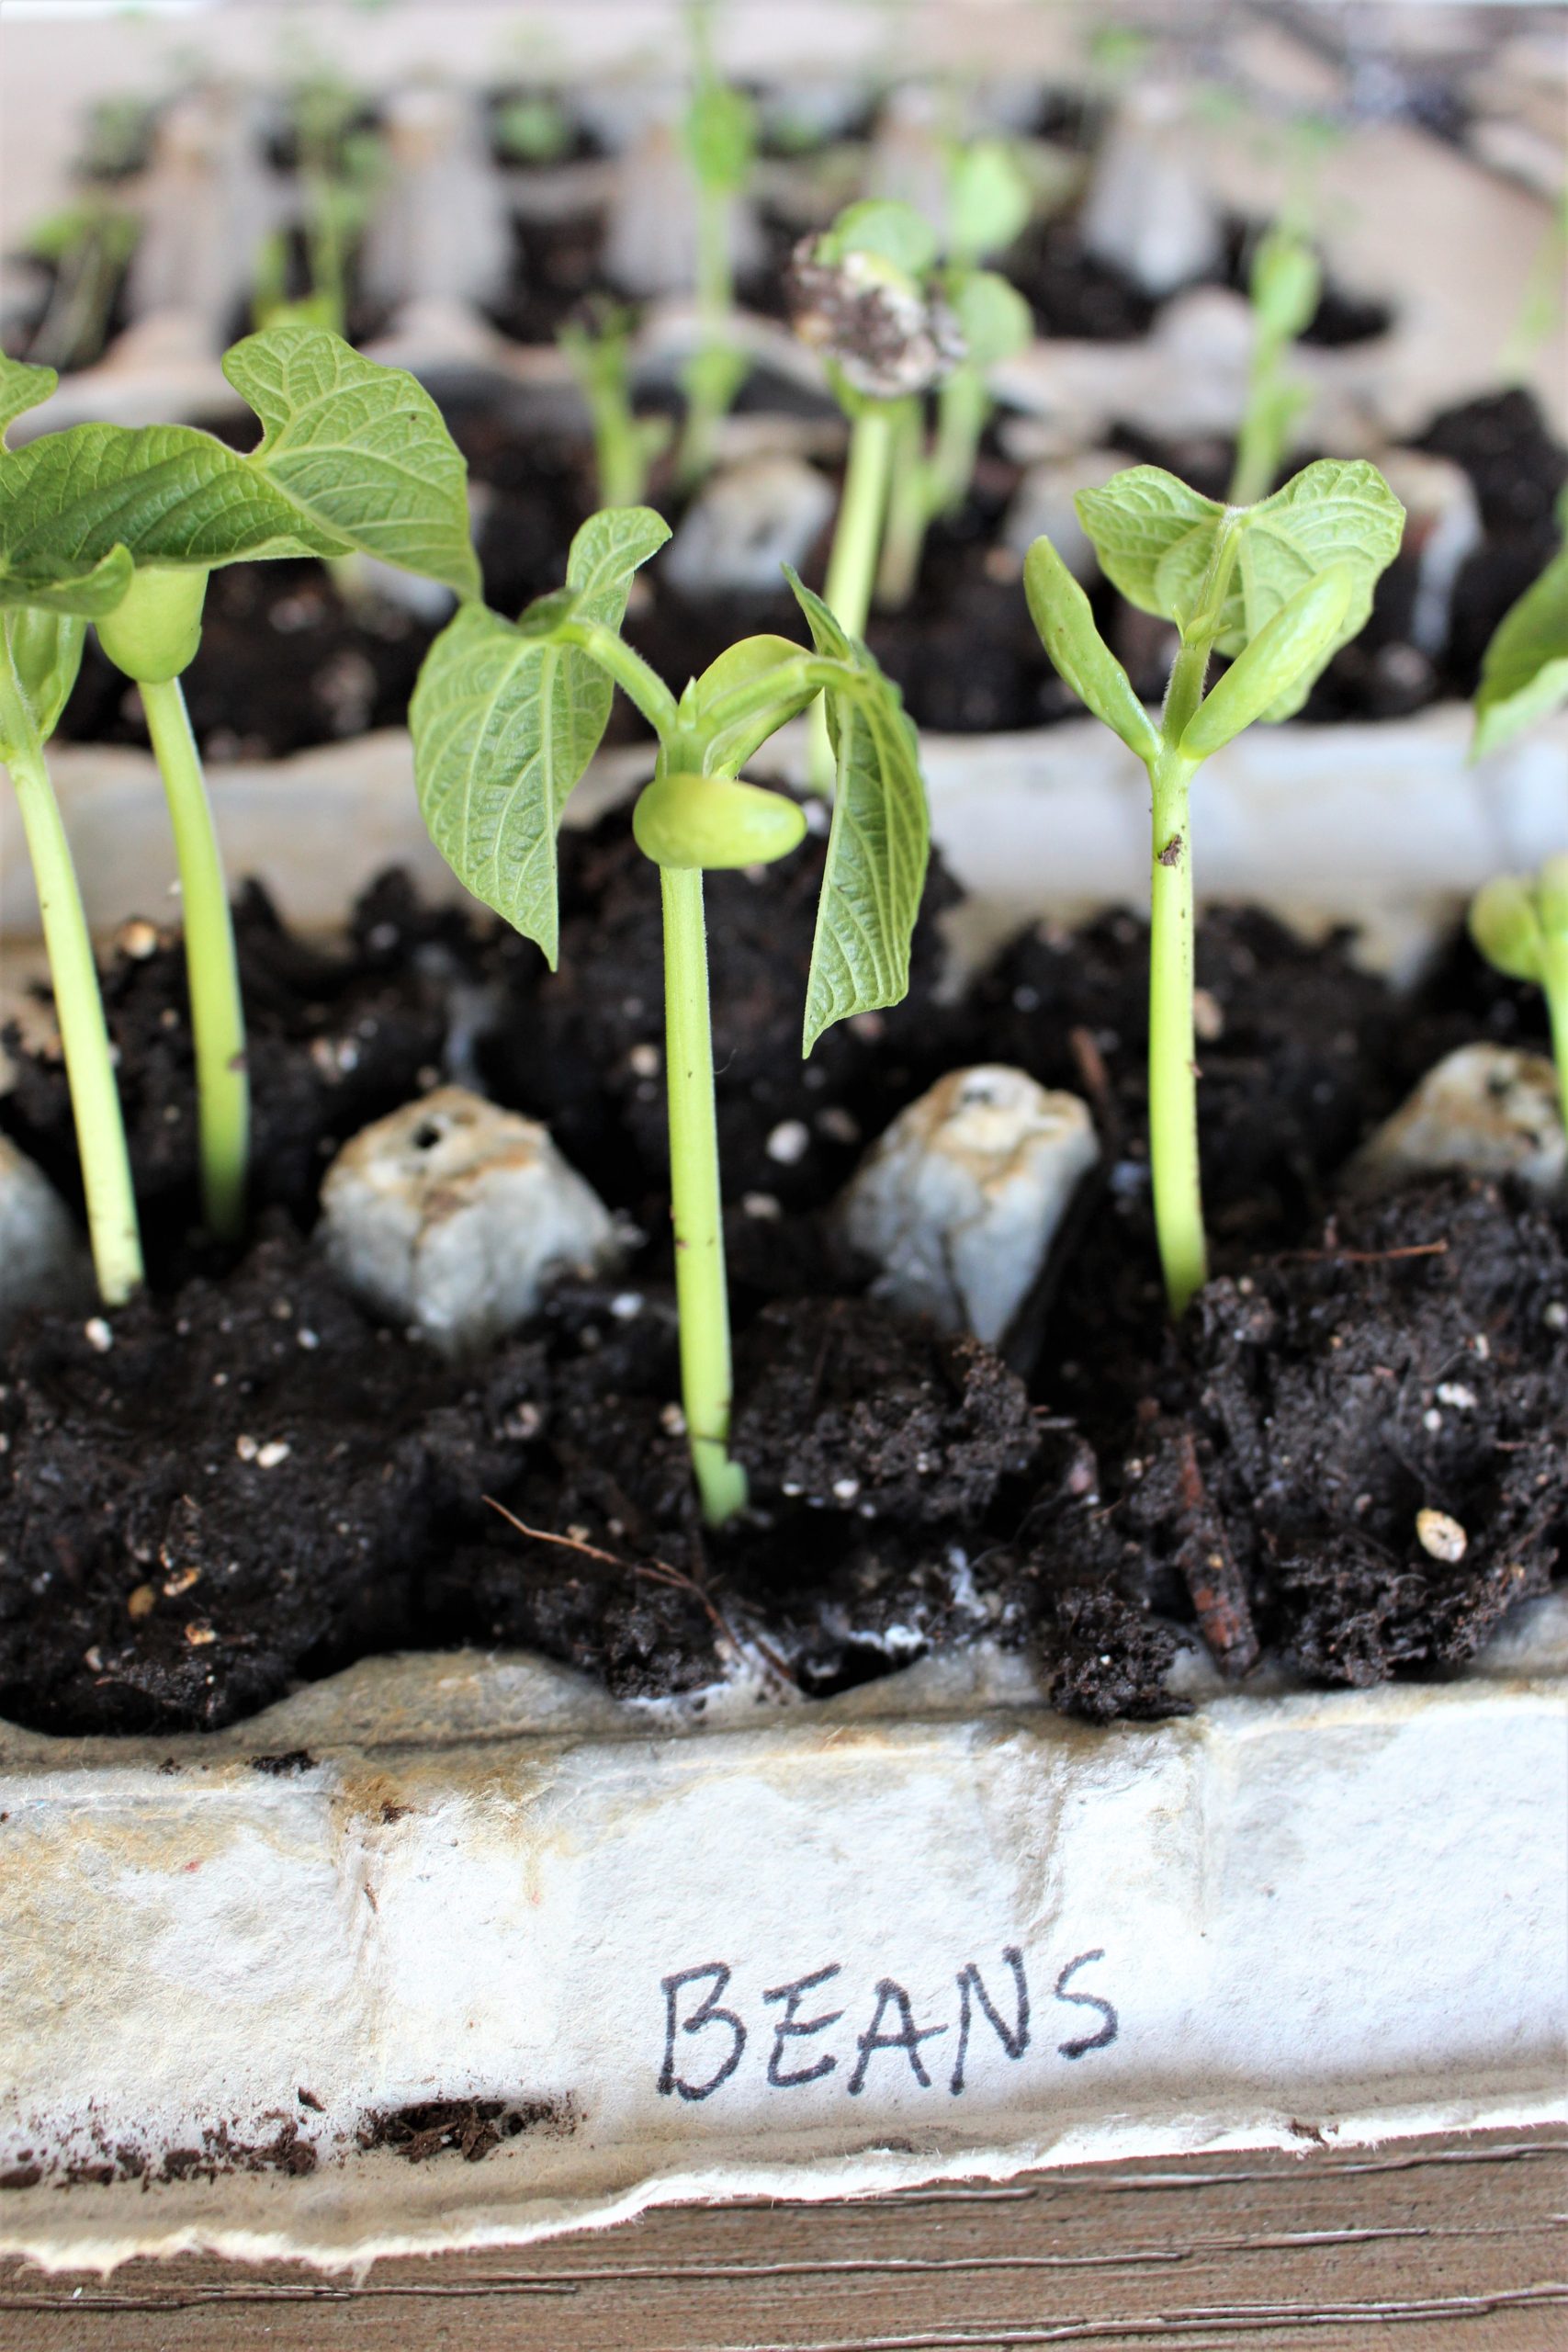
1157,541
504,722
880,841
353,456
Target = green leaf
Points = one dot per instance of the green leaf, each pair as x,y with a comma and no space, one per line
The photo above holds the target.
89,593
1156,540
1505,923
993,317
1262,681
45,651
725,749
1133,523
22,387
895,232
1524,675
988,199
1061,613
353,456
880,841
504,723
361,448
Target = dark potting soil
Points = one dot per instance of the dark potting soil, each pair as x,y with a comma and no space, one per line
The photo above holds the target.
255,1481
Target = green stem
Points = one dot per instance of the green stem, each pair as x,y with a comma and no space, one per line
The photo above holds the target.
1260,443
909,509
701,1292
217,1013
640,685
328,274
852,569
963,406
1173,1075
1554,983
84,1033
857,538
710,386
1173,1061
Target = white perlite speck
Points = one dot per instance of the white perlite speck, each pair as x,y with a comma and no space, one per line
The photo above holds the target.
42,1260
1485,1110
960,1200
454,1217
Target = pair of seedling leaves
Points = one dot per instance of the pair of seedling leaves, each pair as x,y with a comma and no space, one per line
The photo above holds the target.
507,714
354,457
1279,587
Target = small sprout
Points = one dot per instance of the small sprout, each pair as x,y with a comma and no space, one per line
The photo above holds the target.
1521,926
625,446
988,203
88,246
341,166
1286,286
1524,673
1279,587
720,137
506,719
865,293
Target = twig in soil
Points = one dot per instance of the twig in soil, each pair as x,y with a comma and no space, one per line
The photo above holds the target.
1216,1586
1360,1257
1096,1081
656,1572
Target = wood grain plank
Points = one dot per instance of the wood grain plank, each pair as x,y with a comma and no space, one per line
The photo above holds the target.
1428,2246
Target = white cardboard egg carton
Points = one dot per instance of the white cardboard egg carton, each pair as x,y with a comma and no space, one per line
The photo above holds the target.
755,1945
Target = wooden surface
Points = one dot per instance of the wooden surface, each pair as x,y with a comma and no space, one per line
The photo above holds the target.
1420,2246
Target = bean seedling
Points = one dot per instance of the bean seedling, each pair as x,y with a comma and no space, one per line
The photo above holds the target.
1279,587
865,294
988,204
123,526
340,167
720,137
1521,925
625,446
506,719
1285,285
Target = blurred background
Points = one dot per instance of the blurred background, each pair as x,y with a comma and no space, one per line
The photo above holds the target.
517,202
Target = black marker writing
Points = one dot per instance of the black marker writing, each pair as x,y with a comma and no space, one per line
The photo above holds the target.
788,2025
1108,2031
707,2012
1013,2039
908,2037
